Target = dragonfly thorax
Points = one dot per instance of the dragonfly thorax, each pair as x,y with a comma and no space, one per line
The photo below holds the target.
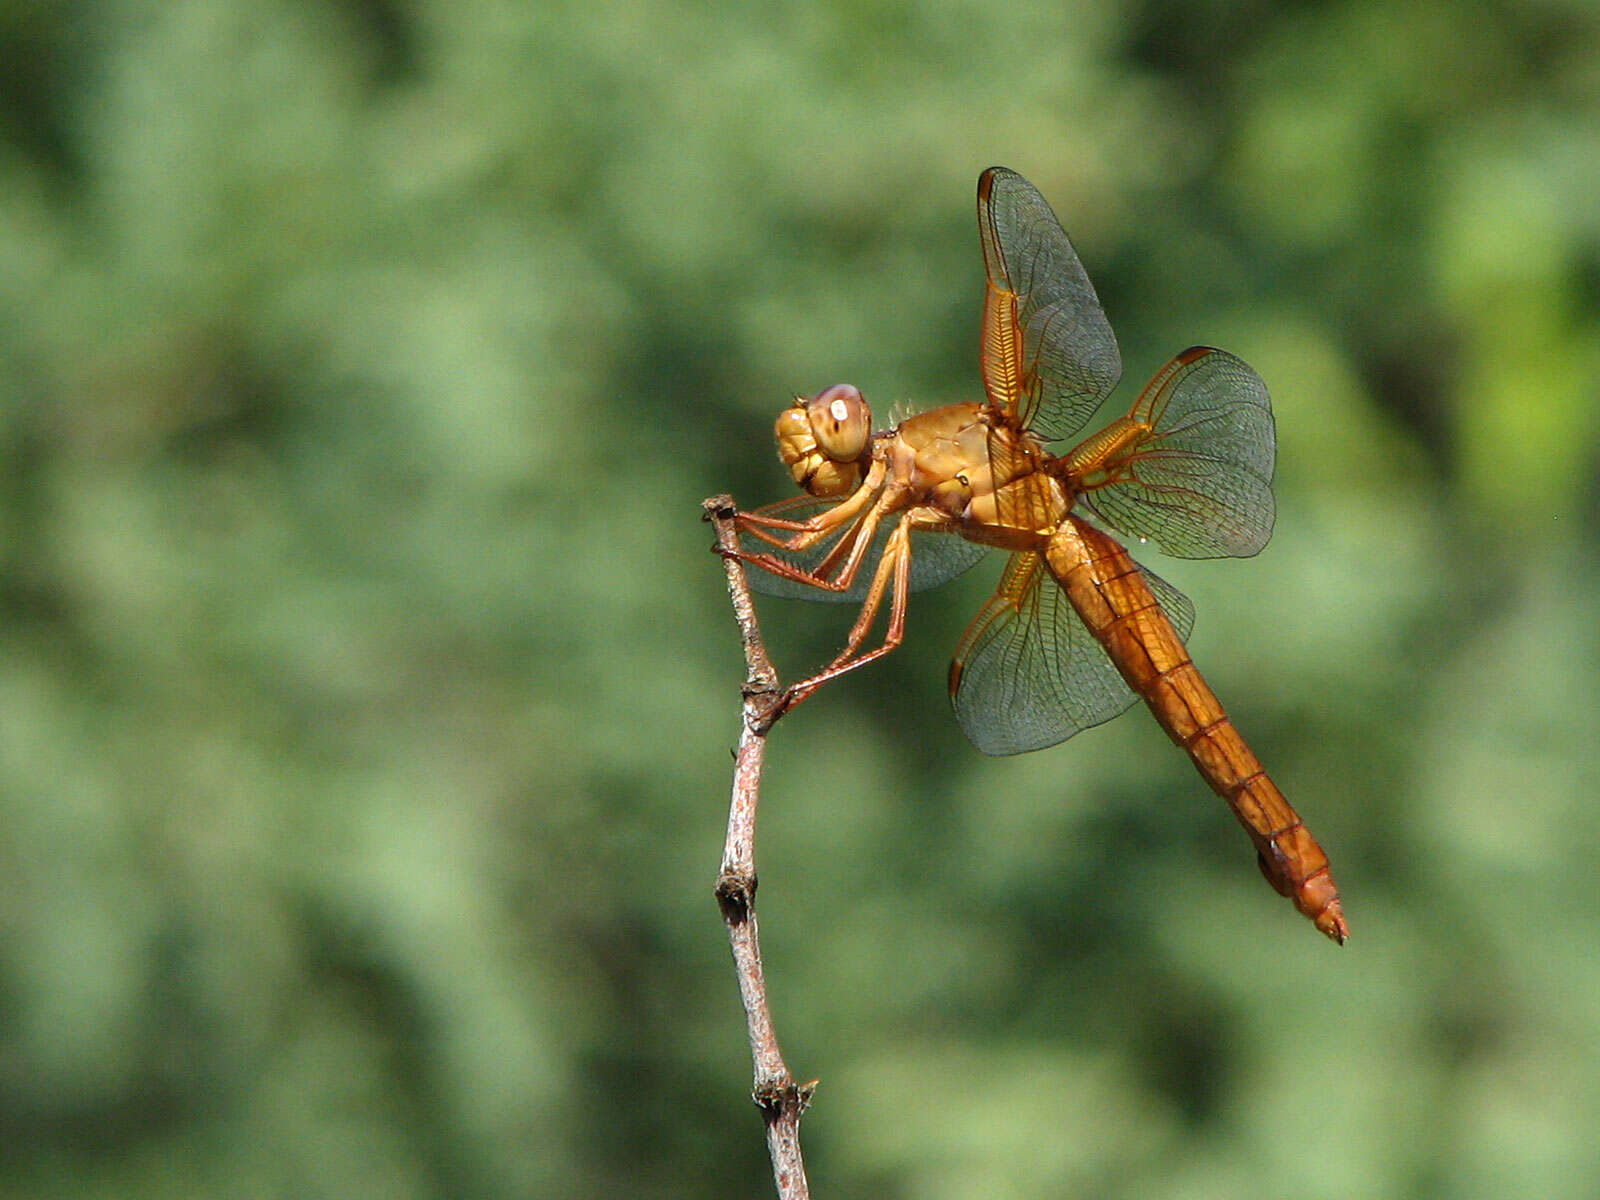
956,460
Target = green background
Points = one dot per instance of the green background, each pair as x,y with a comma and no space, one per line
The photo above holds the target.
367,688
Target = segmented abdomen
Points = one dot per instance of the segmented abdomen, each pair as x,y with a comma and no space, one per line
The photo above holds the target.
1108,591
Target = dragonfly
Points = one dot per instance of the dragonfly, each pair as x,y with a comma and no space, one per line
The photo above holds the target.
1076,630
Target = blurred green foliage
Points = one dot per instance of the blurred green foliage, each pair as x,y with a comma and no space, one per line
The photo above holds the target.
366,686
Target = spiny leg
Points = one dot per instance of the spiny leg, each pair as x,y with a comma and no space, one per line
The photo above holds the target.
809,532
829,575
895,564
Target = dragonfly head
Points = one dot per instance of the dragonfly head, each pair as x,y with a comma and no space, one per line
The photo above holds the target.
824,440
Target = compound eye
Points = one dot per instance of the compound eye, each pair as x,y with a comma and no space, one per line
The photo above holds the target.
840,421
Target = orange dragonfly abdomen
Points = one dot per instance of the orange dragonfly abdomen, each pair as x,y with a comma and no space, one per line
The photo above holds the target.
1109,592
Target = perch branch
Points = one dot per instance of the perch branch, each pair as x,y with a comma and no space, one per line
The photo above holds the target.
781,1100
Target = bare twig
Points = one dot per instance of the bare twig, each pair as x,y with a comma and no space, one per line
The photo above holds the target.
775,1092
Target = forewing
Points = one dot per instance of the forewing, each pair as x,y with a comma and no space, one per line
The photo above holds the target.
1201,484
935,556
1049,357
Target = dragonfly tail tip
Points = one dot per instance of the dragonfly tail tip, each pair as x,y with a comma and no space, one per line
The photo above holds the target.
1331,921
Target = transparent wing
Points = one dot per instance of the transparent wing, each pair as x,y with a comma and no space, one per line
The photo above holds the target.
1028,673
935,556
1049,357
1178,607
1200,485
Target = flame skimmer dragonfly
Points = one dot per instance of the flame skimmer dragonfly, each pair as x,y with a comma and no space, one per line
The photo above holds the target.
1076,630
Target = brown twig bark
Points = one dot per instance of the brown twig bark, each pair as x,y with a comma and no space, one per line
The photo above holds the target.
781,1100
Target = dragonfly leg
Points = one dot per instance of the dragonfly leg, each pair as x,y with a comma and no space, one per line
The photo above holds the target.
838,569
760,522
895,567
